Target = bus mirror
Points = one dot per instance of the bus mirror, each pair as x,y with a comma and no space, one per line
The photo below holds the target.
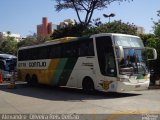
151,53
120,52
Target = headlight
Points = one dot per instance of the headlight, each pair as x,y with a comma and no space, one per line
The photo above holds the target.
123,80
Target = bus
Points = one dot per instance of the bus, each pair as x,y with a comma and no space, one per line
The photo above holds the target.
106,62
7,65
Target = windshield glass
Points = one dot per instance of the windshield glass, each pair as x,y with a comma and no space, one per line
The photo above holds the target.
134,62
9,64
135,59
127,41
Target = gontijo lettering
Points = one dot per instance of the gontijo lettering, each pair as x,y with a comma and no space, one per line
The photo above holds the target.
37,64
32,64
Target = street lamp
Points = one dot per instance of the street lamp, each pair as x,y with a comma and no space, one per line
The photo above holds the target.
108,16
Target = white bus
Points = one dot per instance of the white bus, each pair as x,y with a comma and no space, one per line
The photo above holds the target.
7,65
103,62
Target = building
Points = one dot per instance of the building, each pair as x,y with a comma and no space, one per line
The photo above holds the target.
140,30
55,27
45,28
17,37
66,23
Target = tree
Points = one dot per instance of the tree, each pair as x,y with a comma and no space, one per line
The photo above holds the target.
146,37
26,42
156,27
78,30
9,45
113,27
97,22
8,33
86,6
155,65
153,40
33,40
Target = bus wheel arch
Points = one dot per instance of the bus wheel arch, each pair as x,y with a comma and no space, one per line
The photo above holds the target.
88,85
34,80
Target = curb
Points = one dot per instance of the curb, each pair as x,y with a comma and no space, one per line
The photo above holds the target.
7,85
154,87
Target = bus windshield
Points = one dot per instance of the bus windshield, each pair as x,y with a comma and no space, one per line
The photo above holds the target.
134,62
8,62
135,59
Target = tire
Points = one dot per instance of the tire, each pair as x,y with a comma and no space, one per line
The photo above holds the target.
88,85
28,80
34,80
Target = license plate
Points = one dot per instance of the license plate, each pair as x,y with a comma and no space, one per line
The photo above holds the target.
137,86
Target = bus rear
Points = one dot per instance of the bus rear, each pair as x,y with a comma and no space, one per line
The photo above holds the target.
8,64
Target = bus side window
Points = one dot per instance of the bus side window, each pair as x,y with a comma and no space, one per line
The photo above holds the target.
70,50
66,50
34,53
106,57
86,48
54,51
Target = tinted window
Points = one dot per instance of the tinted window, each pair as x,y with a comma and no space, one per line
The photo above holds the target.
106,57
65,50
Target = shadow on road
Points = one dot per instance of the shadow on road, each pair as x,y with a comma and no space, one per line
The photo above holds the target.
63,94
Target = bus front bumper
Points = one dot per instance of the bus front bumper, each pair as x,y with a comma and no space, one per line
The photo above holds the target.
127,86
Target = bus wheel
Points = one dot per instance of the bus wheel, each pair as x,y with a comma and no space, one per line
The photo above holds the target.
34,80
88,85
28,80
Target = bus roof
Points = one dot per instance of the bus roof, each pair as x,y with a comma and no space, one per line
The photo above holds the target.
56,41
113,34
7,56
69,39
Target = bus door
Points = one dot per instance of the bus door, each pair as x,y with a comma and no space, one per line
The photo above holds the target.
107,72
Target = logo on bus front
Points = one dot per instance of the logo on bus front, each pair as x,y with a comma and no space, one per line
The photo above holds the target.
105,84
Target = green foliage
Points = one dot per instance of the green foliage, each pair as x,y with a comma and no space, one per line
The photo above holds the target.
33,40
78,30
145,38
157,29
150,40
26,42
153,40
157,25
114,27
9,45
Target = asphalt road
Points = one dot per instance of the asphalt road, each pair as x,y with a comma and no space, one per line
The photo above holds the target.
48,100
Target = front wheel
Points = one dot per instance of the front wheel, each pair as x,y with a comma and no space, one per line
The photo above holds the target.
88,86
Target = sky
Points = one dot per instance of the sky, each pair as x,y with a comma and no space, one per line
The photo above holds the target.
22,16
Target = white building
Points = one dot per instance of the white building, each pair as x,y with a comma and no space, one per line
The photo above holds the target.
140,30
17,37
66,23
